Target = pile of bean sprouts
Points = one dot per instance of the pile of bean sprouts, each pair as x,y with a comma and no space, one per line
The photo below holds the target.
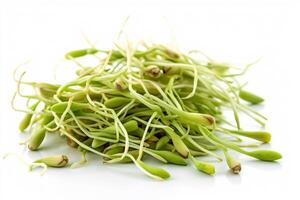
147,101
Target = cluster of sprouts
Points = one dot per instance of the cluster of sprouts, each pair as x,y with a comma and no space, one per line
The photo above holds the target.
148,101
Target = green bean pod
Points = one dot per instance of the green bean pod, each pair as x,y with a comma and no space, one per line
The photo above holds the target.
234,165
170,157
197,153
54,161
62,106
196,118
154,172
179,145
39,133
138,133
138,87
203,166
130,126
250,97
257,135
116,102
102,134
98,143
134,153
27,118
162,142
114,150
265,155
36,138
80,53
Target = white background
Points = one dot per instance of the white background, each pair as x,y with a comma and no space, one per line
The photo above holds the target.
232,31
